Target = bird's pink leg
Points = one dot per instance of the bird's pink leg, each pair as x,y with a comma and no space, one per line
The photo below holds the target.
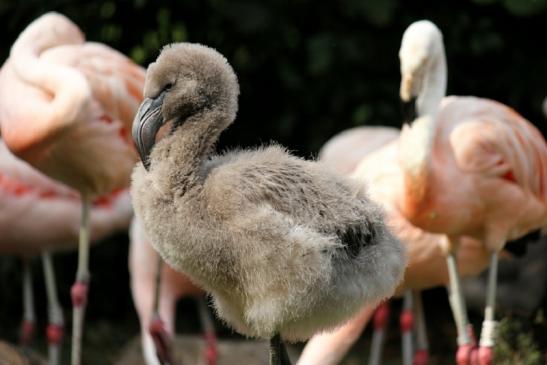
421,356
209,333
55,329
489,325
80,288
29,315
161,339
381,318
465,343
156,328
406,321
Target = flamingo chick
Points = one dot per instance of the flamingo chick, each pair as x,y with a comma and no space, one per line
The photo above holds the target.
67,107
285,247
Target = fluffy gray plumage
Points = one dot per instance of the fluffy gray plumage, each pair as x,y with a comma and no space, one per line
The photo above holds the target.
282,244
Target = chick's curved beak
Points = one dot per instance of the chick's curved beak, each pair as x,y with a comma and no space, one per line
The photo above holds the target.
146,124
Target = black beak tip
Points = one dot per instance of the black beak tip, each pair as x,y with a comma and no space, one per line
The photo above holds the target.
408,109
146,164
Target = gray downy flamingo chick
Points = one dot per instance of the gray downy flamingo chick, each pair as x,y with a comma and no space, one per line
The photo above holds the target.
285,247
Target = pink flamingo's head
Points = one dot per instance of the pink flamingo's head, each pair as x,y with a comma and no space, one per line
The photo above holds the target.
49,30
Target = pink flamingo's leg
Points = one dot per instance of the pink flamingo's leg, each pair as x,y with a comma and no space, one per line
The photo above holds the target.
80,288
55,329
465,344
381,318
161,339
211,351
489,325
421,356
29,315
160,336
406,321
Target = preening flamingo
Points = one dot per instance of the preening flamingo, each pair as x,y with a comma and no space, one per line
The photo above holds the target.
67,108
39,216
143,265
471,167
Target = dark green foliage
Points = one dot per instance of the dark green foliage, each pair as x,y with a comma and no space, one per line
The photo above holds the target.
309,69
518,7
516,344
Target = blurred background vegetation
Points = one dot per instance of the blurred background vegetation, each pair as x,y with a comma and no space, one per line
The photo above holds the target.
308,69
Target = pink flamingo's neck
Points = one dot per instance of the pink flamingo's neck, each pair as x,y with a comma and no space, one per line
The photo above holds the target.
68,89
415,147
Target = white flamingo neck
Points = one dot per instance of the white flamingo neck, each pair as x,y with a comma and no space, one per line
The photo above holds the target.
434,85
417,141
415,145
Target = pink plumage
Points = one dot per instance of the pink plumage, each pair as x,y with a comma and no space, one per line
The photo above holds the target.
39,213
484,175
67,109
68,105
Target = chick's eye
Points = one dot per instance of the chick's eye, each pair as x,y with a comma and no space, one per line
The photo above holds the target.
168,86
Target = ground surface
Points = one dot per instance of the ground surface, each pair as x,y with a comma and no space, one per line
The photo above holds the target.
111,335
119,344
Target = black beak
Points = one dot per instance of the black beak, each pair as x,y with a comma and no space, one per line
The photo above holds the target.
409,110
146,124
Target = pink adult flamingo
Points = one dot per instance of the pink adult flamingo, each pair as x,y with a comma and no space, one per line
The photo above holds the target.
471,167
152,303
40,215
384,176
67,108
